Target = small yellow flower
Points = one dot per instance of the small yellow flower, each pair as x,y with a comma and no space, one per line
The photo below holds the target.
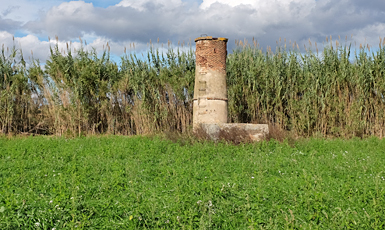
131,217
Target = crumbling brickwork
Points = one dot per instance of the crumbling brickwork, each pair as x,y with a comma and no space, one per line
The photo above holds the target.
211,53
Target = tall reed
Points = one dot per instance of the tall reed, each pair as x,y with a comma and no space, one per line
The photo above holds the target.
19,109
337,92
334,93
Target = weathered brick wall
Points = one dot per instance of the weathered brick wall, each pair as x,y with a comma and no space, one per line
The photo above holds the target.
211,54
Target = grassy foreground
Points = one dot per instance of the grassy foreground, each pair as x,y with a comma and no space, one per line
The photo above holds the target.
139,182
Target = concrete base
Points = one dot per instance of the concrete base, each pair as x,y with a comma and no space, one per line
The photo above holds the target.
236,131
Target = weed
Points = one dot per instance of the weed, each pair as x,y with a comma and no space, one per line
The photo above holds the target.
148,182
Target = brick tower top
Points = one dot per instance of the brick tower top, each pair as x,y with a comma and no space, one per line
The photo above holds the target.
211,53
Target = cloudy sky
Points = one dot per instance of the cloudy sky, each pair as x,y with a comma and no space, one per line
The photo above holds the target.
124,22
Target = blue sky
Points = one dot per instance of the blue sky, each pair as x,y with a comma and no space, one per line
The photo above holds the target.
104,3
122,23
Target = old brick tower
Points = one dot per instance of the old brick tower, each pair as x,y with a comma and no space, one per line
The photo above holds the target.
210,91
210,94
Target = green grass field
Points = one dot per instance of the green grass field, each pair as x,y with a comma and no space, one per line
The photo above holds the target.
150,183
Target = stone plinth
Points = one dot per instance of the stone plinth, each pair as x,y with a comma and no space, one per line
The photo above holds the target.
251,132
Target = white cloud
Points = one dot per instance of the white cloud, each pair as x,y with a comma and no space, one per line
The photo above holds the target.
371,34
268,8
141,20
31,46
142,5
207,3
145,19
25,10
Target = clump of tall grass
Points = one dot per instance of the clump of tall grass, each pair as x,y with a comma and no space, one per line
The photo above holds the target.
86,93
78,90
19,110
337,92
155,93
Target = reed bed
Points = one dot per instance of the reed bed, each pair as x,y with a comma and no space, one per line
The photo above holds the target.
338,92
